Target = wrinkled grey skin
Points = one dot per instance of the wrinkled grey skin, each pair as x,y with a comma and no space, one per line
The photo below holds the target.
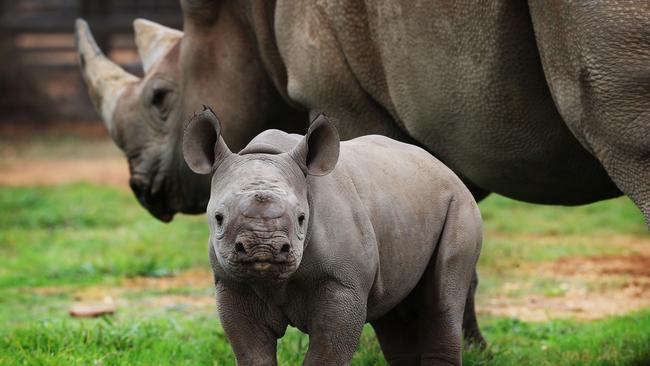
391,237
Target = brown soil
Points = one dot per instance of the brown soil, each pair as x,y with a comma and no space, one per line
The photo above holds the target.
194,278
117,295
637,265
57,153
29,129
588,288
591,288
104,171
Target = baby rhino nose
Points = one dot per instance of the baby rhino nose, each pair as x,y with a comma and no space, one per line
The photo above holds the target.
268,249
262,205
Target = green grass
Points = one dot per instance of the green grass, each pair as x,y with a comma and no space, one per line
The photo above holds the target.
616,216
175,339
57,241
82,234
154,341
623,340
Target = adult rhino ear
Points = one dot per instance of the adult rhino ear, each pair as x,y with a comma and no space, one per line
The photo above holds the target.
318,152
203,147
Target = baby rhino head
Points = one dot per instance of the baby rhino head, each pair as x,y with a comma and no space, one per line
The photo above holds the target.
258,210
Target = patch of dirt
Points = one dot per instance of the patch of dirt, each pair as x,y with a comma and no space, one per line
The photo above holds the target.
167,301
588,288
637,265
28,129
585,288
103,171
189,279
193,278
119,295
58,153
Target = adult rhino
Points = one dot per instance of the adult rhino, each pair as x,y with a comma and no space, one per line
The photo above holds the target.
545,102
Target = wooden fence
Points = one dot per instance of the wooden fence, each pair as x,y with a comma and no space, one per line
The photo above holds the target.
39,29
37,36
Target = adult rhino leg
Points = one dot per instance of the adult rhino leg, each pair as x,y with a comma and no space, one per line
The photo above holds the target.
596,57
471,330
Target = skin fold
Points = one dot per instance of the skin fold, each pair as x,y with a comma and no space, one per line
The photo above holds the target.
390,236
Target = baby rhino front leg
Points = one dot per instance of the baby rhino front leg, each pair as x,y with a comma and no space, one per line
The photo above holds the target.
251,328
337,318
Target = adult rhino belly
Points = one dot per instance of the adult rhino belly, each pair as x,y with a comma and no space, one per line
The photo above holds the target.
466,81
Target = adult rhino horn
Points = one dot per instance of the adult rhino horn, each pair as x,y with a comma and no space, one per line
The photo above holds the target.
153,41
105,80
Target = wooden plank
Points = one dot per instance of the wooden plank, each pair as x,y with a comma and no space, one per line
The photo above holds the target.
47,24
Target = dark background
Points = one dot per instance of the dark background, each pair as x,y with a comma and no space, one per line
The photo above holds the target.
40,82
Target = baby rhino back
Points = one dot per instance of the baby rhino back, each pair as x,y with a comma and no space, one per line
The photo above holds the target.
408,195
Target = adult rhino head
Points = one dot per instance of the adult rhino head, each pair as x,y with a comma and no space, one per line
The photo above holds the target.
141,115
145,116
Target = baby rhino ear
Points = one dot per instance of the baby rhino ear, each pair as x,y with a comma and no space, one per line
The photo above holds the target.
318,152
203,147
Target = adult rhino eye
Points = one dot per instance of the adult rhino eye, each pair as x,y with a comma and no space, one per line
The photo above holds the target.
158,97
160,102
219,218
301,219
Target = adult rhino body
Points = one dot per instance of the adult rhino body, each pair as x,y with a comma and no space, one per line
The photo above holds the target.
465,81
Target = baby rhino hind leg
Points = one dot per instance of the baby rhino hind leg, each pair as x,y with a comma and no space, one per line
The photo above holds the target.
425,329
441,295
397,335
471,331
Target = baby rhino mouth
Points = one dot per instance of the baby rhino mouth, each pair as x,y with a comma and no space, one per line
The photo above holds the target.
270,258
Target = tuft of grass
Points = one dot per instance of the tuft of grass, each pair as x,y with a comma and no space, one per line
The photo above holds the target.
177,339
622,340
610,217
85,234
153,341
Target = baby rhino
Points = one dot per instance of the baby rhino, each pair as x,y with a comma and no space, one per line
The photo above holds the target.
391,237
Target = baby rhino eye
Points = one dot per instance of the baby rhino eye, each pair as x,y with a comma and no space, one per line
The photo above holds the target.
301,219
219,218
